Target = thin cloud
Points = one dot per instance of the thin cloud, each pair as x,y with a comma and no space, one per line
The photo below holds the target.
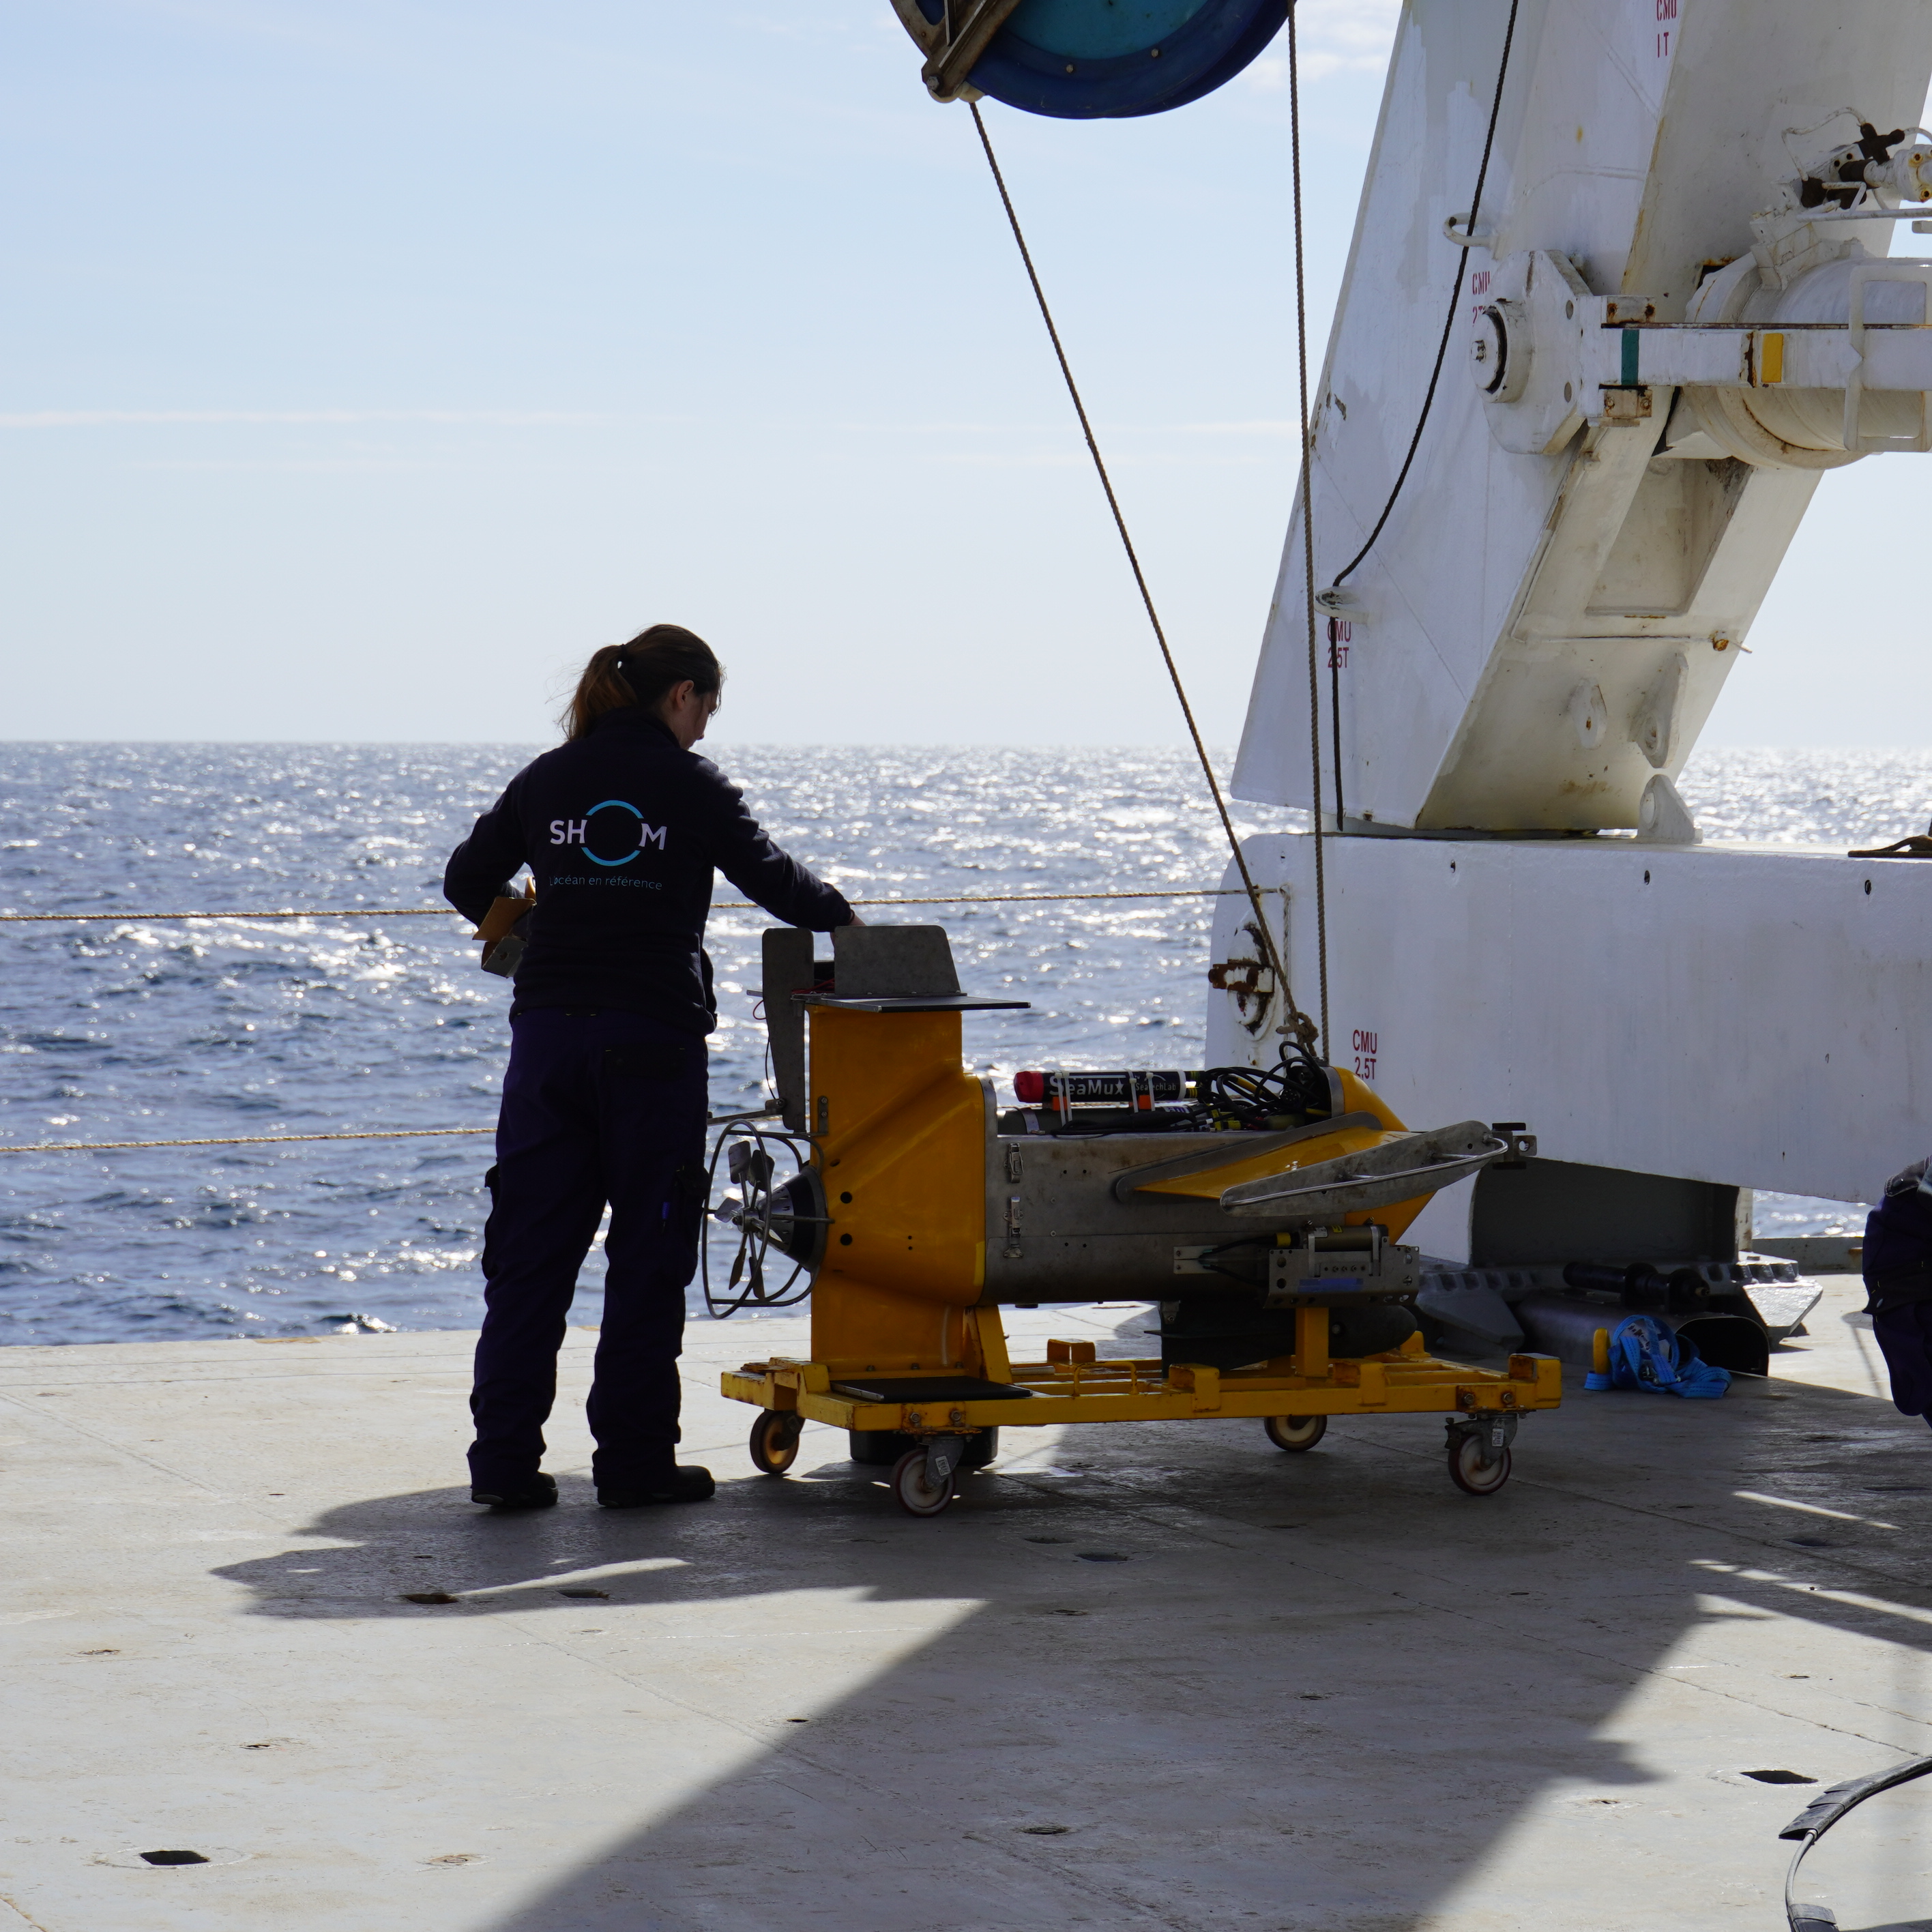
1258,426
1336,36
110,419
1054,432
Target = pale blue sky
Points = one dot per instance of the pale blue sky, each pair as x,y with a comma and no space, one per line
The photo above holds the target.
362,366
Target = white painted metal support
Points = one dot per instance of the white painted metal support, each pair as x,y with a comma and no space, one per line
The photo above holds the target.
1680,314
1671,335
1891,356
1752,1016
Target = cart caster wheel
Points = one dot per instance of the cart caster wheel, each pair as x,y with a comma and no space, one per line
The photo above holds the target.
775,1437
1471,1474
917,1496
1296,1431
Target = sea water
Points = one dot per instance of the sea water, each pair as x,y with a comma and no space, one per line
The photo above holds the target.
149,1029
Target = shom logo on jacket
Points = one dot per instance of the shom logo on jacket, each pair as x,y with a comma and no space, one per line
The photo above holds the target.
577,832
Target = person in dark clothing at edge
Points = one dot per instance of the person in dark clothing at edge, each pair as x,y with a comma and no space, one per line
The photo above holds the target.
1898,1285
604,1098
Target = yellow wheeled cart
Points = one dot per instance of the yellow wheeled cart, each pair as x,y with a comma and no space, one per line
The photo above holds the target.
1073,1385
916,1211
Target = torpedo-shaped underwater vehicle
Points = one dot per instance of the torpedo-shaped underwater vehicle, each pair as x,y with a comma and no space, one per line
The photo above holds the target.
1262,1213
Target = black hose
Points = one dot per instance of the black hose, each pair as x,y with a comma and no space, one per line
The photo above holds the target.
1455,303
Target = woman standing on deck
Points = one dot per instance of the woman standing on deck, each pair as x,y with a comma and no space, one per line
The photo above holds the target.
604,1098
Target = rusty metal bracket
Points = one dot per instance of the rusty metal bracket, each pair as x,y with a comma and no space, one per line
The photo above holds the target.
1626,403
1250,979
953,43
1243,977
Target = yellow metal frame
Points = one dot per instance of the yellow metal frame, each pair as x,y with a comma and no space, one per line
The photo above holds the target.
1074,1385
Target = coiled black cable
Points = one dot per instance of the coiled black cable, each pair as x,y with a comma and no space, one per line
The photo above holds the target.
1293,1090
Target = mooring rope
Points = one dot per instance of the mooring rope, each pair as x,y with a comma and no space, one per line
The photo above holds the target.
276,1140
1297,1020
241,1140
727,905
162,918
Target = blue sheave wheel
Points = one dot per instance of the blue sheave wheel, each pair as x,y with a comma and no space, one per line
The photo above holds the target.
1085,60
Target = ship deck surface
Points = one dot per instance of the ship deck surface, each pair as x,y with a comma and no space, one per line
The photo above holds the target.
1320,1691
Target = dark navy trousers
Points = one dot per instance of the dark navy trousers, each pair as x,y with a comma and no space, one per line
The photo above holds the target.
1904,1335
597,1107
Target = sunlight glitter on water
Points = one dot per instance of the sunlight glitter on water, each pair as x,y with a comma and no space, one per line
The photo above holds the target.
146,1031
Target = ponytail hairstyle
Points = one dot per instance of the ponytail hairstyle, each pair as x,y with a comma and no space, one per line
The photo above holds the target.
641,672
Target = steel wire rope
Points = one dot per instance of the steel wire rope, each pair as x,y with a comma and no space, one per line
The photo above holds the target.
1298,1021
1455,302
1307,481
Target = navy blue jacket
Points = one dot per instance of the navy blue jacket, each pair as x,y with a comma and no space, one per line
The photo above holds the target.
621,829
1898,1241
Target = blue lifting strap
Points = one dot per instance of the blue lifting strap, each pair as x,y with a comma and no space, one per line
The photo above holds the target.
1647,1353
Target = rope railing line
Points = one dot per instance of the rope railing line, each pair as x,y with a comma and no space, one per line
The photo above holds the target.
242,1140
1025,898
727,905
413,912
138,918
274,1140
